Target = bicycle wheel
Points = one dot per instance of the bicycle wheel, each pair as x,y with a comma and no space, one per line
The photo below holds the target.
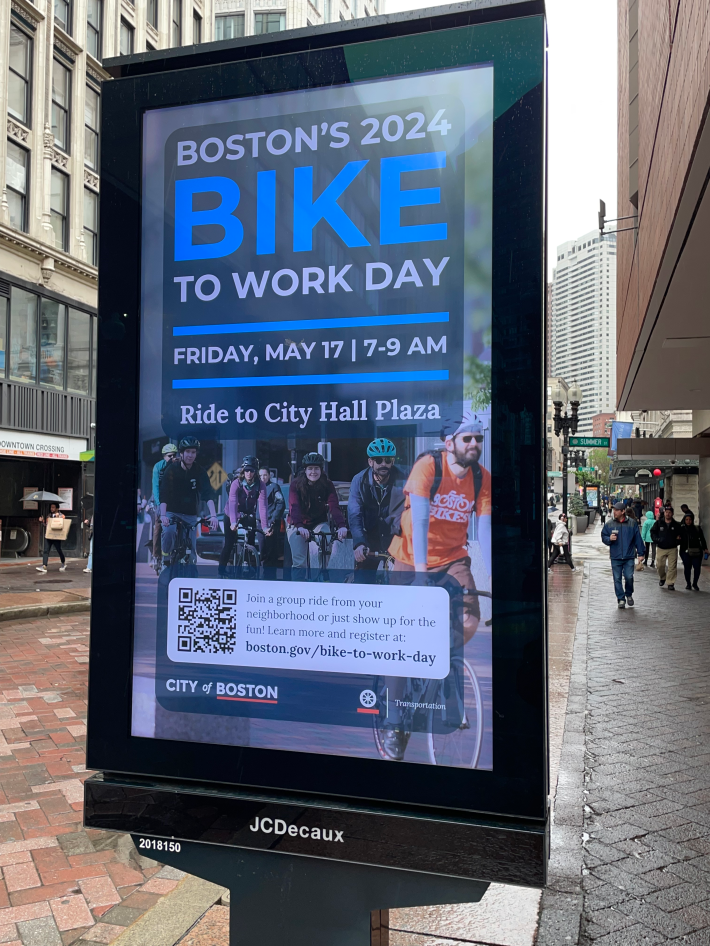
462,747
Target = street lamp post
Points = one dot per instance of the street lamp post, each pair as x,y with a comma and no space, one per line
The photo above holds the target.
566,425
577,459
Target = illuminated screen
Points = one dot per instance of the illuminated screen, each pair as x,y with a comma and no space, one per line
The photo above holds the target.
314,545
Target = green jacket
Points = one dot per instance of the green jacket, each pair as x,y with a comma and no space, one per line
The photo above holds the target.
646,527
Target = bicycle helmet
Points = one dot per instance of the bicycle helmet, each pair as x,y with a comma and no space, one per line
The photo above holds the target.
381,448
250,463
313,459
169,448
189,443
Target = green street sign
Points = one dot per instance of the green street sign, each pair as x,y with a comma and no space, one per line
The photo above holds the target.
589,441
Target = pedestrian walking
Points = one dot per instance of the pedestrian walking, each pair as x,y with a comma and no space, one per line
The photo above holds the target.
692,547
686,511
90,524
646,527
560,544
623,537
53,526
603,513
665,533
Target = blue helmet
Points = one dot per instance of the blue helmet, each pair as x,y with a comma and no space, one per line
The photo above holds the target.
381,448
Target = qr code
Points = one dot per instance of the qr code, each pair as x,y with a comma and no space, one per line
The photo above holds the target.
207,620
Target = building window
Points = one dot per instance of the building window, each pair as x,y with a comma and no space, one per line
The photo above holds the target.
91,226
196,27
126,39
17,164
61,96
229,27
149,47
59,202
62,14
94,13
176,33
23,336
91,128
78,348
269,22
19,87
152,13
52,329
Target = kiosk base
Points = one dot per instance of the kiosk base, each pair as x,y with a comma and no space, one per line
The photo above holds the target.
278,899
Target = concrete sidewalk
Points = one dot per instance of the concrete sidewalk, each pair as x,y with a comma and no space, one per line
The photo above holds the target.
27,593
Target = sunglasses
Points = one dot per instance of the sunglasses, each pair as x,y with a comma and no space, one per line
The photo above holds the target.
467,438
388,461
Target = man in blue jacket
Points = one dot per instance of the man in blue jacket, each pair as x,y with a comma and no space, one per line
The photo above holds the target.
374,495
623,537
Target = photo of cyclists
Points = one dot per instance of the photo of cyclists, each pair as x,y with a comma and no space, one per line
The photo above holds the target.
314,570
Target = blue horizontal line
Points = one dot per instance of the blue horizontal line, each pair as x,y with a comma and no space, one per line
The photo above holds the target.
361,377
238,328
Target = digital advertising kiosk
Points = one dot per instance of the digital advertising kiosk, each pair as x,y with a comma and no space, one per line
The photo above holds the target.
318,669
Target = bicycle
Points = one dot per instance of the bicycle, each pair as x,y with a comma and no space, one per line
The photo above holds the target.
179,563
321,539
246,559
451,715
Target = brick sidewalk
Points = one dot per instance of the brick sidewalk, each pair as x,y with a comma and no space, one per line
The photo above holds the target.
646,871
60,884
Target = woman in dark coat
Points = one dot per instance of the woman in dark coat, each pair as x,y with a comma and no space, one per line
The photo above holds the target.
692,547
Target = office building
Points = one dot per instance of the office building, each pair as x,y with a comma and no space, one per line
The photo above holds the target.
601,424
584,322
663,277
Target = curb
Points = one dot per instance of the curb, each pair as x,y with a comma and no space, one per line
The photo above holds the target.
172,917
562,901
42,610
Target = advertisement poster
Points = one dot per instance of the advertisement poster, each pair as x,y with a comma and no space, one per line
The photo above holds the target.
313,566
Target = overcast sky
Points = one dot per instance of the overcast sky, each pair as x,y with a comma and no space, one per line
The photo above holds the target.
582,117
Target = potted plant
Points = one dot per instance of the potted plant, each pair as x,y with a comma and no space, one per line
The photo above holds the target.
576,508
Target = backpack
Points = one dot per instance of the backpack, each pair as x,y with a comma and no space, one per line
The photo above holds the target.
398,498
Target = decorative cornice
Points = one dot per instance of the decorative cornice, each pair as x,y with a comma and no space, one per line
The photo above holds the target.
28,11
152,32
129,8
65,42
91,178
95,69
60,159
16,131
33,249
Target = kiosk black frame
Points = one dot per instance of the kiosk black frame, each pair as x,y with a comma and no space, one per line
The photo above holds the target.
515,793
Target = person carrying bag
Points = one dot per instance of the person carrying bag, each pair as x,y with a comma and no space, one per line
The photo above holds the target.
57,526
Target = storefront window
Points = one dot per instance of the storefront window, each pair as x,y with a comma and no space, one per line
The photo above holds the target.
51,353
23,336
78,350
94,350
